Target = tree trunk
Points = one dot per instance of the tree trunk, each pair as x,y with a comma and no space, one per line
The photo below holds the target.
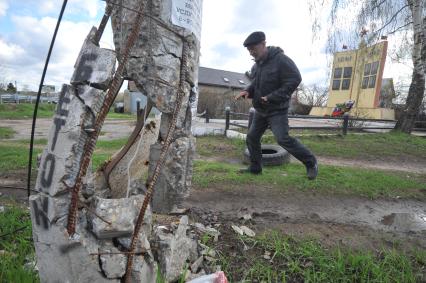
417,87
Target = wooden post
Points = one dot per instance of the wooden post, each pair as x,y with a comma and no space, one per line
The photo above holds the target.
345,123
227,117
138,108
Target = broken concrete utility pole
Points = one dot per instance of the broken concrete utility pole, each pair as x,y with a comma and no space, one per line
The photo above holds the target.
81,233
155,67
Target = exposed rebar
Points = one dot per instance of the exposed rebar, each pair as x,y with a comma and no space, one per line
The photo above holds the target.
97,37
161,160
90,144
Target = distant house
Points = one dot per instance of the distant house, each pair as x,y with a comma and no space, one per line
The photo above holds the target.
132,96
217,89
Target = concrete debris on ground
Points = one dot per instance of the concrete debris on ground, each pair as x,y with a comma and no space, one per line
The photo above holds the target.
174,249
247,231
207,230
245,216
237,230
243,230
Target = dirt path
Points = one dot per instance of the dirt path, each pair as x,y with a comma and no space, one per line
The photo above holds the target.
335,220
353,221
404,165
12,185
385,165
112,129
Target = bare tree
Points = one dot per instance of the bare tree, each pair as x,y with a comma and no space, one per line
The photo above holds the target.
3,84
405,18
312,95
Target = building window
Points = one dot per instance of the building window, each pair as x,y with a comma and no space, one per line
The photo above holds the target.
336,85
347,73
338,82
346,84
337,73
374,68
367,69
372,82
364,82
370,75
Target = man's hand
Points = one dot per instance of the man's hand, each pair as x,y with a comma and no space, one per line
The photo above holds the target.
264,99
244,94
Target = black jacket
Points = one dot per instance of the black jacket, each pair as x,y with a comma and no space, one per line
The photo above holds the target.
276,77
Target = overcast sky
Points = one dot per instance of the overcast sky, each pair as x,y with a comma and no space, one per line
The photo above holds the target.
26,28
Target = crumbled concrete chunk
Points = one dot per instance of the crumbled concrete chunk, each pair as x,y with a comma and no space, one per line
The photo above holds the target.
121,213
95,66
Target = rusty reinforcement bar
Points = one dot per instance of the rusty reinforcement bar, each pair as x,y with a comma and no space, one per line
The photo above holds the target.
97,37
90,144
161,160
132,139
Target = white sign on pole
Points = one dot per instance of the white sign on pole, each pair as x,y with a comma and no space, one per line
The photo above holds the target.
187,14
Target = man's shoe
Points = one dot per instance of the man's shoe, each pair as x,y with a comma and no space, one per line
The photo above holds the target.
312,171
249,171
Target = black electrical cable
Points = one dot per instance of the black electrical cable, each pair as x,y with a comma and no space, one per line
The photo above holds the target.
14,232
64,4
15,188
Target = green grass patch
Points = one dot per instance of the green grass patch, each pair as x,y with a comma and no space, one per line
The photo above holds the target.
98,159
301,132
210,146
104,151
394,146
110,145
369,146
16,157
25,111
291,260
16,246
36,142
6,133
331,179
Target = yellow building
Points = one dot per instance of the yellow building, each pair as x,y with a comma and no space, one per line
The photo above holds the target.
357,75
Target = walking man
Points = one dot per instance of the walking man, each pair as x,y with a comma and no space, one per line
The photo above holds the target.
274,78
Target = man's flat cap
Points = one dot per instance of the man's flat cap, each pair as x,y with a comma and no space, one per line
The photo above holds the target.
254,38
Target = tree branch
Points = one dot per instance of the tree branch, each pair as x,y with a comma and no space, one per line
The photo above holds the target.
378,5
399,28
391,19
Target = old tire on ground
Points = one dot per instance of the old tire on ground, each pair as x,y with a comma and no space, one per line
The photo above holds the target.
272,155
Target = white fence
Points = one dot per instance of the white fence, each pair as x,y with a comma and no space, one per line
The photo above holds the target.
17,98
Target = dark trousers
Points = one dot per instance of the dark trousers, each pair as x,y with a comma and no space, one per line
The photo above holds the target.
279,126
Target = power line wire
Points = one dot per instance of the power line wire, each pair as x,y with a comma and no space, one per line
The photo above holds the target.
64,4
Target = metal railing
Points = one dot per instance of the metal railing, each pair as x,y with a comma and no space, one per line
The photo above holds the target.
344,125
